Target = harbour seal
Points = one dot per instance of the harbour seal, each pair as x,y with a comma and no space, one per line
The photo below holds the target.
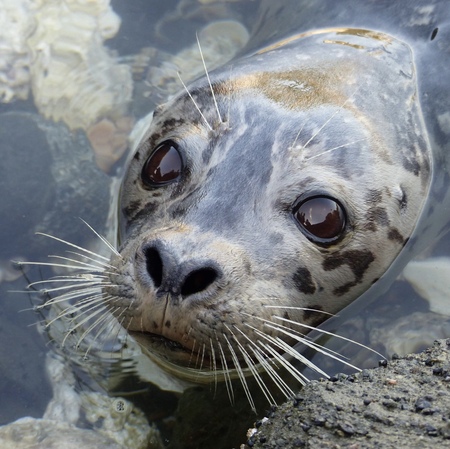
274,191
277,189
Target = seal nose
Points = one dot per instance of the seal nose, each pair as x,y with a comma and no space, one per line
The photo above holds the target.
183,279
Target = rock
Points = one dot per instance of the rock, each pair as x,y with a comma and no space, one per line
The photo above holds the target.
402,405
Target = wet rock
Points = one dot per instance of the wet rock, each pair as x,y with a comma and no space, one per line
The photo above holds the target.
386,407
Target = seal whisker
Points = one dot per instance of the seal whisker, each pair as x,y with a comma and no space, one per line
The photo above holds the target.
302,309
75,309
198,355
91,327
63,308
239,371
209,80
73,284
103,239
69,297
330,118
65,297
307,159
298,376
195,103
332,334
127,327
79,262
265,362
96,310
192,352
304,338
256,375
312,345
84,250
285,347
119,325
108,321
297,136
203,357
213,366
226,373
90,314
60,265
99,263
307,342
75,278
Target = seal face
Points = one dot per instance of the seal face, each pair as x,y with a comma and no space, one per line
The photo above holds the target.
268,197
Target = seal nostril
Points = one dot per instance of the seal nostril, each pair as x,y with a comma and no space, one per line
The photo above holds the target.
198,280
154,265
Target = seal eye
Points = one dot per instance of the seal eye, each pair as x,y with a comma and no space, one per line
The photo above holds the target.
321,219
163,166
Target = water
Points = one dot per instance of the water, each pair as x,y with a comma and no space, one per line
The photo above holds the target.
50,177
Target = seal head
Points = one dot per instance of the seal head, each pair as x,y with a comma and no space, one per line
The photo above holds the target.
263,200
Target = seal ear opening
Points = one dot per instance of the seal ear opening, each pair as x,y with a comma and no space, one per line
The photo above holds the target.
434,34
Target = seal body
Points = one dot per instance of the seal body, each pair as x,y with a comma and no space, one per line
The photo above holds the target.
276,190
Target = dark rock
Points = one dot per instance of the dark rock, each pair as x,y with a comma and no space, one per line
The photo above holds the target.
397,411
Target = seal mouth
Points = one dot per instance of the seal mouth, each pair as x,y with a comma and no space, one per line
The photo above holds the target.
163,347
177,360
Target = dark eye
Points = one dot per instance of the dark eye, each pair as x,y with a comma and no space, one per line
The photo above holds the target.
163,166
321,219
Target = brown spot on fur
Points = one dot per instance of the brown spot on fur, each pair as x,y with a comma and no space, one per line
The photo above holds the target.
404,199
303,281
374,197
394,235
370,226
377,216
167,324
358,262
132,208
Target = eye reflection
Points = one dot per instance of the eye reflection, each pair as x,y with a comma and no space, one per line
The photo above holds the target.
163,166
322,218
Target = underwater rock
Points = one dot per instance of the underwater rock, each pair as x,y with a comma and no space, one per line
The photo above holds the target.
57,47
16,24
